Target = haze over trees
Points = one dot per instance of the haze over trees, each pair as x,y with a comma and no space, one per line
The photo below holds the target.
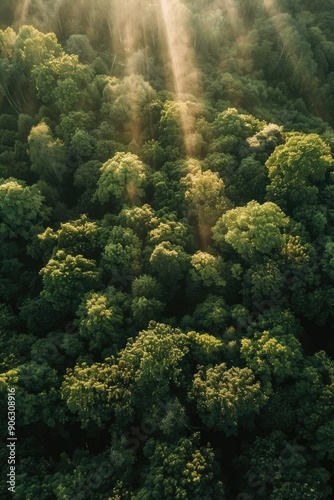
167,252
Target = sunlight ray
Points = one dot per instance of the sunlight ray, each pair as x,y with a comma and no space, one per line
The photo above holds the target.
182,60
21,12
293,50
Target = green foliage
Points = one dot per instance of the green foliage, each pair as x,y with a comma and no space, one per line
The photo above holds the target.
206,198
75,120
85,390
168,162
204,348
127,101
139,219
20,206
66,278
207,269
252,230
169,263
153,154
34,48
231,129
38,395
181,470
101,318
212,314
122,254
172,231
42,145
146,286
79,45
82,144
227,398
80,236
145,310
62,80
270,355
87,175
122,178
280,469
140,377
296,169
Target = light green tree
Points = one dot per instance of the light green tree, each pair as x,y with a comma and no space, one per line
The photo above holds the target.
297,169
269,355
100,318
66,278
252,230
47,155
227,398
183,469
206,199
21,207
123,178
122,253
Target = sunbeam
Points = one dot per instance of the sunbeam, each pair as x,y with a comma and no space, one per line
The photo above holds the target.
21,12
295,51
182,61
180,52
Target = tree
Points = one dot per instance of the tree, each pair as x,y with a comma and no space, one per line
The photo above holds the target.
297,170
87,175
122,254
86,390
82,144
252,230
122,178
204,348
170,126
20,206
145,310
127,101
183,469
228,398
205,196
327,262
269,355
275,467
70,122
8,39
250,181
81,236
140,219
207,269
80,45
231,129
37,394
132,385
168,194
264,142
101,320
66,278
62,81
33,48
169,263
172,231
212,314
48,156
146,286
153,154
263,282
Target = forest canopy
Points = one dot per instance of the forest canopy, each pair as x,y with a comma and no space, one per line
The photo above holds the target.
167,248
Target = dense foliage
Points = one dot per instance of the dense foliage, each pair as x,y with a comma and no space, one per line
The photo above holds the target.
167,248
